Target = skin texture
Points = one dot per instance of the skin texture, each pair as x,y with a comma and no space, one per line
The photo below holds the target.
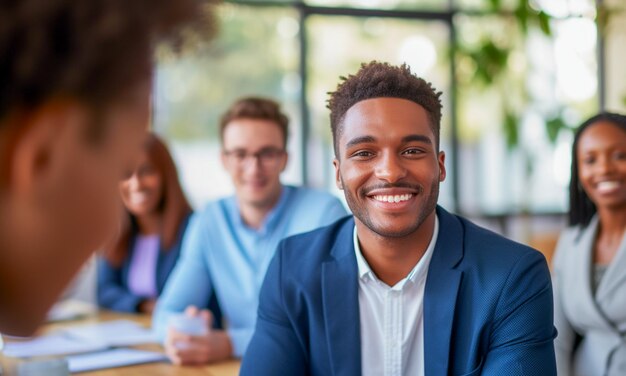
601,156
59,197
602,159
257,186
388,150
76,82
142,193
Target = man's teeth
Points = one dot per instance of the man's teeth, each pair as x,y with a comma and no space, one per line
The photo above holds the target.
393,198
607,185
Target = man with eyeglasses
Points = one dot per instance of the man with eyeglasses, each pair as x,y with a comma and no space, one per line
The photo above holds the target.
229,245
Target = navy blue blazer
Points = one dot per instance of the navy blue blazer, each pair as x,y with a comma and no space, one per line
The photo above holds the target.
487,306
113,292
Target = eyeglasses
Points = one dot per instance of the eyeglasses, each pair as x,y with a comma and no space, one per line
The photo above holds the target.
266,156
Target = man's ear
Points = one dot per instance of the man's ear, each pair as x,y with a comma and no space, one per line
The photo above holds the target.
42,138
441,159
338,181
284,161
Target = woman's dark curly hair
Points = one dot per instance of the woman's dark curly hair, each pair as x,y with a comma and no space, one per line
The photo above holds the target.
581,208
91,51
377,80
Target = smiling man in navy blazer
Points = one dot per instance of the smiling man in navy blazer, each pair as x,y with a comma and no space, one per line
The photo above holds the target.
403,287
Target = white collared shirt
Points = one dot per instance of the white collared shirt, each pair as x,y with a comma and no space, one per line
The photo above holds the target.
392,318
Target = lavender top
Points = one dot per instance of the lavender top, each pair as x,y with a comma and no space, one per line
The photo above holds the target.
142,272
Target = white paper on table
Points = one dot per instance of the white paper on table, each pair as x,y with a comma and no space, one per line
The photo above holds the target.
49,345
113,333
71,310
112,358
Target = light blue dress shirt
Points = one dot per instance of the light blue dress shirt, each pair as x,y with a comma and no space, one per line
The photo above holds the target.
221,253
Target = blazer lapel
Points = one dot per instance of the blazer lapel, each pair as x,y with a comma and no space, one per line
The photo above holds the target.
614,277
341,305
607,303
440,295
583,303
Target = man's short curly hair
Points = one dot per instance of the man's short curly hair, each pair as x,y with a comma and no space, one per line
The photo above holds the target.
379,80
91,51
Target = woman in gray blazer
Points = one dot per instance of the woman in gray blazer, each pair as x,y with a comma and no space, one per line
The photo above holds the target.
589,273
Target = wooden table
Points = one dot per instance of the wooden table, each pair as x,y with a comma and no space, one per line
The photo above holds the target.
225,368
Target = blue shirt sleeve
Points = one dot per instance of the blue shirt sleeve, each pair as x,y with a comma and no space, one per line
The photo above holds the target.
239,339
275,348
190,282
335,210
321,209
218,250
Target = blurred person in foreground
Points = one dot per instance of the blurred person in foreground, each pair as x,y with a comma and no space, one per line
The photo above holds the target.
402,287
590,261
75,82
133,269
229,244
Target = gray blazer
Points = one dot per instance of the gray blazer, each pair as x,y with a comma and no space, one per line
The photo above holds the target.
598,321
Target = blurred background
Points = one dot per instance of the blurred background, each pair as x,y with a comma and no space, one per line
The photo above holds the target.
517,76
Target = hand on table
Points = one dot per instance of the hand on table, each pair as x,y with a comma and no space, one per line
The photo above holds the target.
147,306
186,349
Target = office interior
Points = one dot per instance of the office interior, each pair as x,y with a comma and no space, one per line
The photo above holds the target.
517,77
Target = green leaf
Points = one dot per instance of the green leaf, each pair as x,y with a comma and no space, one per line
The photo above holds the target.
511,130
495,4
553,126
544,22
490,61
522,14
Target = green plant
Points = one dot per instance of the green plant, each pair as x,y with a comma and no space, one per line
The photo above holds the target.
490,58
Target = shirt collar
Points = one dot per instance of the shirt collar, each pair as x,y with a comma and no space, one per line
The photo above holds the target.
272,216
418,270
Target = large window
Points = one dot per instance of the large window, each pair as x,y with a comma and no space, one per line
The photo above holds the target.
517,77
256,53
518,103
